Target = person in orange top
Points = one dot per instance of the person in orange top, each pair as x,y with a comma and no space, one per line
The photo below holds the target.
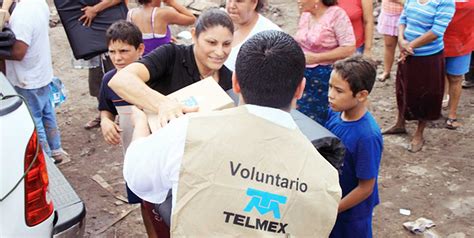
459,43
361,14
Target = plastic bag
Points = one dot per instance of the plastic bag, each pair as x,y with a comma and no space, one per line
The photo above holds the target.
58,92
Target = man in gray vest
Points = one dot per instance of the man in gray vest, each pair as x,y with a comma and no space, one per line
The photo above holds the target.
246,171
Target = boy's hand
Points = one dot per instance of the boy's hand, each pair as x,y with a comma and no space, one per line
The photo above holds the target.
110,131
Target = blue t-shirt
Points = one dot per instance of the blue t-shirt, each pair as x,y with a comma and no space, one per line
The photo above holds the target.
108,99
364,145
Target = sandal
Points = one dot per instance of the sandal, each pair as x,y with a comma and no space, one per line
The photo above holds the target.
452,123
94,123
394,130
383,77
416,147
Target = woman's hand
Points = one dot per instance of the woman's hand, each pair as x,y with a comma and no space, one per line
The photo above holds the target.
110,131
405,47
171,109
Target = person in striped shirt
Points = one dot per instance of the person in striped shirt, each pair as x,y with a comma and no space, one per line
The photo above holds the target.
421,68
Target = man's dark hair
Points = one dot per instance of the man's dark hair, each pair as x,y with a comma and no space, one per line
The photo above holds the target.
211,18
269,67
124,31
260,5
142,2
329,3
358,71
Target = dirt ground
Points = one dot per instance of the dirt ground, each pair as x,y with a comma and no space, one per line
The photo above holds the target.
436,183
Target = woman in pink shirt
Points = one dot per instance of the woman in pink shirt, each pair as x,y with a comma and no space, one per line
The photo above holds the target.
361,14
325,34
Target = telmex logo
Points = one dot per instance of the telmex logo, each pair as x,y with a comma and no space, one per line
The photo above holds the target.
264,202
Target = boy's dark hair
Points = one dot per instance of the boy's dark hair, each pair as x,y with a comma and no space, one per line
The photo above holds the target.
329,3
211,18
144,1
358,71
269,67
124,31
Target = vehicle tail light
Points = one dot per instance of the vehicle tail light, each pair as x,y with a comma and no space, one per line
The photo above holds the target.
38,205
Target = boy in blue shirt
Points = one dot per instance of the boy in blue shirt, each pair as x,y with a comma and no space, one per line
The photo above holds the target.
126,46
351,81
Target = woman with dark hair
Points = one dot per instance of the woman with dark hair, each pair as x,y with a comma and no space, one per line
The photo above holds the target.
420,92
171,67
153,21
325,34
248,22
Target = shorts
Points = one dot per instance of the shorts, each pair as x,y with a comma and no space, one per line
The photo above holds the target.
458,65
96,74
388,24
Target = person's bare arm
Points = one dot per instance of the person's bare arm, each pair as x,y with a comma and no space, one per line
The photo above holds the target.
140,124
368,18
424,39
338,53
180,16
90,12
357,195
129,84
6,7
403,45
19,49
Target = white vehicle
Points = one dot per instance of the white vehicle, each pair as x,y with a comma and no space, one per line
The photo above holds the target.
36,200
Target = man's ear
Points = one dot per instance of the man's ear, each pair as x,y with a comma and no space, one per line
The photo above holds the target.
235,84
300,89
362,95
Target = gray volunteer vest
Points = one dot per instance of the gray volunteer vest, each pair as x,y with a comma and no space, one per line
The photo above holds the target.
242,175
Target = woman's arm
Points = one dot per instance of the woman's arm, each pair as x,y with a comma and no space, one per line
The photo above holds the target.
368,17
182,16
338,53
424,39
129,84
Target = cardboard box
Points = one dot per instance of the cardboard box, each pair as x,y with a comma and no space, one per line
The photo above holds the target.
206,94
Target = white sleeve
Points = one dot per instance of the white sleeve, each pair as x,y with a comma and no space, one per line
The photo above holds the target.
23,26
152,164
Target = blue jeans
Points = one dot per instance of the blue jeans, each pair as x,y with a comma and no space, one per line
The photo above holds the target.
360,50
44,117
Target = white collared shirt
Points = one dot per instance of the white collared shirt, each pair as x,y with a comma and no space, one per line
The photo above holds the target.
152,163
